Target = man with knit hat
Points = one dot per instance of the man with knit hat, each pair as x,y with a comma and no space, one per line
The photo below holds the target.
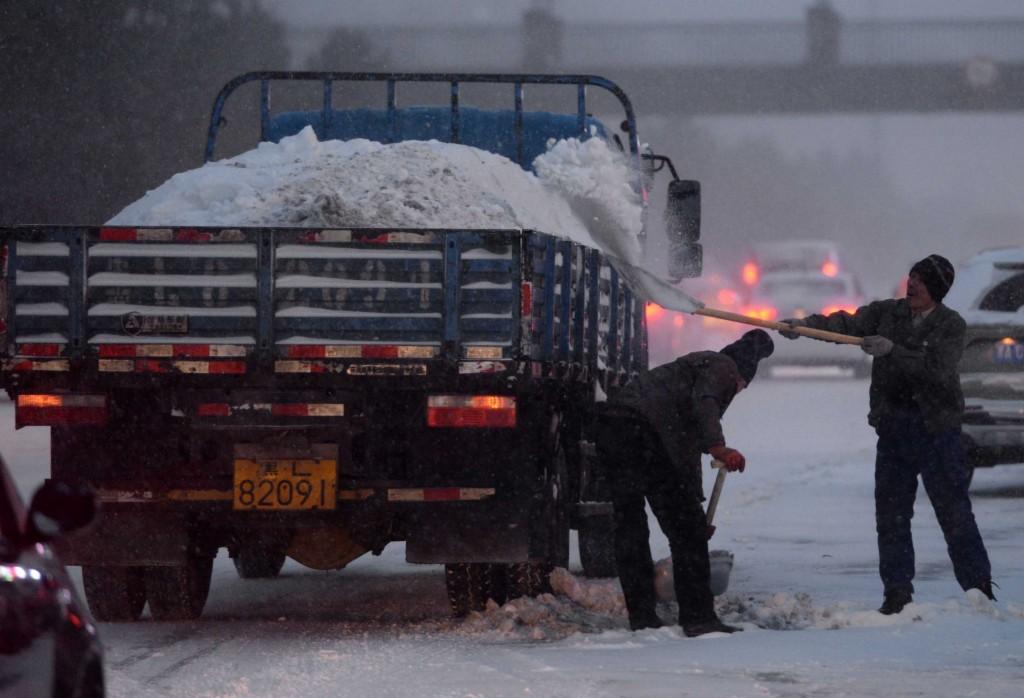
650,438
916,409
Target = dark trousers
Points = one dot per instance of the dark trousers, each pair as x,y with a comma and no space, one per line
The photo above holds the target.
638,468
905,450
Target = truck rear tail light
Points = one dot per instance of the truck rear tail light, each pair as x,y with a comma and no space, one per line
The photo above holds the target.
472,411
54,410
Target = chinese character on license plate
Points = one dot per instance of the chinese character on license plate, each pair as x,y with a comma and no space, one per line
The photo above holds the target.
285,484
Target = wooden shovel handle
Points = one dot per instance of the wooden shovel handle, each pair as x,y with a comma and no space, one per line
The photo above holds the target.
824,335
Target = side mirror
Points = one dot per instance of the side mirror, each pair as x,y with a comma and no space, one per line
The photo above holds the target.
58,508
682,225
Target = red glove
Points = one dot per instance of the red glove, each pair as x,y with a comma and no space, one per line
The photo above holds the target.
733,459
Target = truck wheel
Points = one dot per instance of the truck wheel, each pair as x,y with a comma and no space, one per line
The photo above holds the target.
179,592
258,562
597,546
529,579
470,584
114,593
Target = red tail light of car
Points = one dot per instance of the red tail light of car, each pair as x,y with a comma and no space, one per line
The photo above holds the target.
750,273
761,312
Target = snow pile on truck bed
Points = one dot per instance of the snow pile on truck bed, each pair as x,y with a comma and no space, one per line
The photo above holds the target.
582,190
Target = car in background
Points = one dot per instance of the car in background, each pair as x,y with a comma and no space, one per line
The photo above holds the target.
671,334
989,294
797,294
808,256
48,640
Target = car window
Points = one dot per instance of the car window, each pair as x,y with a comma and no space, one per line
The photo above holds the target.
805,287
1007,296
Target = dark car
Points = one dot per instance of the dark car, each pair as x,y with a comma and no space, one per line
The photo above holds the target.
989,293
48,641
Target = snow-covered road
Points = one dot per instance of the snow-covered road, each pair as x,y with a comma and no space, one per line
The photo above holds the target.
800,522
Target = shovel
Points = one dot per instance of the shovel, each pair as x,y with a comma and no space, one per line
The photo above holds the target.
716,493
823,335
720,560
647,285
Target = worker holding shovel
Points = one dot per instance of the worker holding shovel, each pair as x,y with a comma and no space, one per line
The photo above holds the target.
650,439
916,407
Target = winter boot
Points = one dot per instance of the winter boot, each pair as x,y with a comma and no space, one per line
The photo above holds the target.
709,626
645,621
986,589
895,601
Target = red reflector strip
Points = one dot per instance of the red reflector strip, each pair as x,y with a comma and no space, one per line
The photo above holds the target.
108,351
439,494
117,234
40,349
225,366
296,410
57,365
526,299
360,351
471,417
213,409
371,351
157,366
171,350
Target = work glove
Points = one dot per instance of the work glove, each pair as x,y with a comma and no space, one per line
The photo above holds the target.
733,459
876,345
794,322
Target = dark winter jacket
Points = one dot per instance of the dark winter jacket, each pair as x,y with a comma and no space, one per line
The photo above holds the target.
920,373
684,401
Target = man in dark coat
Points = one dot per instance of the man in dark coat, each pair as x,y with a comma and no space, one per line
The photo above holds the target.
651,436
916,407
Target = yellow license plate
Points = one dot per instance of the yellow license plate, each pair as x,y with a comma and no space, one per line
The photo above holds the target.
285,484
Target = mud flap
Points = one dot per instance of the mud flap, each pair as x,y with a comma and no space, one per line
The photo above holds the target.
128,538
465,539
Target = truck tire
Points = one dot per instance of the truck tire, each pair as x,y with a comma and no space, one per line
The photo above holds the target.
529,579
597,546
595,519
179,592
258,561
470,584
114,594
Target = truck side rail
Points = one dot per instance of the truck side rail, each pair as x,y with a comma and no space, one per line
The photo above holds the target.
141,298
392,80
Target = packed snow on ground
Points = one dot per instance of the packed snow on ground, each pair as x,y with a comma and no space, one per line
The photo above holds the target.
805,587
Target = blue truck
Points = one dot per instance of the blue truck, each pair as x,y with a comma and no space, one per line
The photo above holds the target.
320,393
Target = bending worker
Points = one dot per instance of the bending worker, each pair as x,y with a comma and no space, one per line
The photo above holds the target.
916,407
651,435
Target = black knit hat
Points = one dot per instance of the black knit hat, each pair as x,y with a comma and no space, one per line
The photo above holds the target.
748,350
936,273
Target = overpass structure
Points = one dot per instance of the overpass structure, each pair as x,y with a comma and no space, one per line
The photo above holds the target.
820,65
